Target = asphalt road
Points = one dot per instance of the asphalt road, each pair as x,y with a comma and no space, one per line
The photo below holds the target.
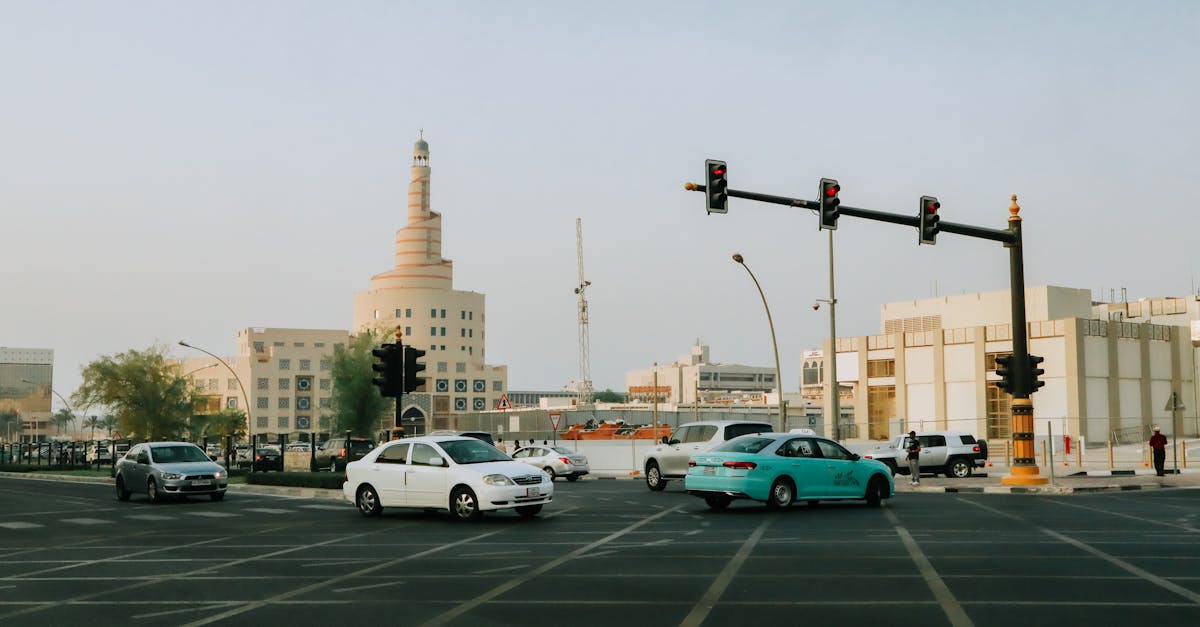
605,553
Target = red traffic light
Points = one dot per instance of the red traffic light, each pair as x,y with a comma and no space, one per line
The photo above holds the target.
832,190
933,207
718,171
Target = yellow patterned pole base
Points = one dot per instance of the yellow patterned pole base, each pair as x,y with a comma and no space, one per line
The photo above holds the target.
1024,469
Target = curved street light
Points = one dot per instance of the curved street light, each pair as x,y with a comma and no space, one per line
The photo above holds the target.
70,410
778,374
245,396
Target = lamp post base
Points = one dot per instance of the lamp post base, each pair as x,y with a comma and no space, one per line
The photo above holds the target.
1024,475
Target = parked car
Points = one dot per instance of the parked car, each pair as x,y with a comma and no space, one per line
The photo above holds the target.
214,451
458,474
267,457
478,435
100,453
555,461
299,447
952,453
669,460
334,453
243,455
782,468
162,469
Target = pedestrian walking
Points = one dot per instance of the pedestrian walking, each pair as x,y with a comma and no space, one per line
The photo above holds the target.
1158,443
913,447
500,445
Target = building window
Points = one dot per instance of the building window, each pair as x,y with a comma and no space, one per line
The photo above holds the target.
881,367
443,313
326,402
408,330
231,384
326,384
460,366
281,422
432,313
278,344
298,344
261,402
261,421
339,346
442,366
464,314
496,386
319,344
442,347
284,402
443,333
326,364
470,315
462,333
433,331
285,383
470,332
231,402
264,383
997,412
989,361
397,313
407,313
285,364
881,408
306,364
260,347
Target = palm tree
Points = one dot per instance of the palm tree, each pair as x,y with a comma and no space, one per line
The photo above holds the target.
91,422
10,423
109,424
60,419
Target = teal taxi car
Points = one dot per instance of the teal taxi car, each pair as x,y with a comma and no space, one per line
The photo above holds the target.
782,468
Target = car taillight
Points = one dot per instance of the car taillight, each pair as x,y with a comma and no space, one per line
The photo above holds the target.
691,462
343,453
564,460
975,448
745,465
868,457
258,457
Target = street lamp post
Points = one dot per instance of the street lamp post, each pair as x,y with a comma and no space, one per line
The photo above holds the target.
245,397
778,375
70,410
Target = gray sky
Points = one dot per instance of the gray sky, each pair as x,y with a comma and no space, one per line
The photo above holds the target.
182,170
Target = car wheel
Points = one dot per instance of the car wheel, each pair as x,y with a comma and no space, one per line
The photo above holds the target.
122,493
654,478
874,495
368,501
550,471
152,491
464,505
782,493
217,496
529,511
572,477
717,502
891,464
959,468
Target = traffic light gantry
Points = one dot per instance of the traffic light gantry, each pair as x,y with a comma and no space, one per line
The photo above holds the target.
390,366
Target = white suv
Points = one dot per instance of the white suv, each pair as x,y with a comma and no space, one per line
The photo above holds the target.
953,453
669,460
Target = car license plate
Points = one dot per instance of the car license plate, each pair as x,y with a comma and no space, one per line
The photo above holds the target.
201,481
533,492
710,470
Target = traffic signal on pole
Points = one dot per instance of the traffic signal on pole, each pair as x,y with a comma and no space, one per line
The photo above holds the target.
389,367
413,381
715,185
1004,370
928,219
1035,373
829,201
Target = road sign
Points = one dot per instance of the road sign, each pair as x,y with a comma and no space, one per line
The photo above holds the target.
554,418
1173,403
503,404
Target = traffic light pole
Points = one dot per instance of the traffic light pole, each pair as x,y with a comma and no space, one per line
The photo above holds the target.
1024,469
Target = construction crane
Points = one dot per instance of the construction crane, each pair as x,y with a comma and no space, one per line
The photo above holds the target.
584,386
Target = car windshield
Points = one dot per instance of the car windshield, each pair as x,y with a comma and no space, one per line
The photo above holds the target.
472,452
745,444
176,454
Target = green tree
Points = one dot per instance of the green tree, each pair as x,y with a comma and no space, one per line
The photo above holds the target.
357,405
225,422
91,422
108,424
62,418
609,396
147,394
10,423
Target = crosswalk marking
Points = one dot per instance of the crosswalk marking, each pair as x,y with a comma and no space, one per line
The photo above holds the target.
86,521
212,514
150,517
268,510
340,508
19,525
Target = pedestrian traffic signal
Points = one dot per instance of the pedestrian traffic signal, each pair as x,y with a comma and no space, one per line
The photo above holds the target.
928,219
715,186
829,201
413,381
1004,370
1035,373
389,367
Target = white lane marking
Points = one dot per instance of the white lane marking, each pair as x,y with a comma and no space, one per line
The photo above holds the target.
212,514
341,562
500,570
1137,518
19,525
206,606
268,510
151,517
86,521
340,508
373,585
446,617
1112,559
713,594
491,553
694,532
941,592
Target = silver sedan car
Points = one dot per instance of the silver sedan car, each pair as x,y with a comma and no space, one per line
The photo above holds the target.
556,461
162,469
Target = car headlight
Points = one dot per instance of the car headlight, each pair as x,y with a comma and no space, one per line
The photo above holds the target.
218,474
170,476
498,480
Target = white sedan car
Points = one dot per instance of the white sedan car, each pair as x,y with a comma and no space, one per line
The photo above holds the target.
462,475
556,461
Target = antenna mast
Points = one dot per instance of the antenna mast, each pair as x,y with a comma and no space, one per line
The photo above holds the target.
584,387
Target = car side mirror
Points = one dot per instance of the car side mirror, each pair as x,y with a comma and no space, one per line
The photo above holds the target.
666,439
855,457
143,459
672,442
437,461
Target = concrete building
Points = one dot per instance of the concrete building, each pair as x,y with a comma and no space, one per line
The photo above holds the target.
417,296
1110,369
26,386
695,374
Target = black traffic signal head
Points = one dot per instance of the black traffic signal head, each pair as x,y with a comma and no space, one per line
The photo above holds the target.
1004,370
928,219
828,201
1035,373
413,381
389,367
715,185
